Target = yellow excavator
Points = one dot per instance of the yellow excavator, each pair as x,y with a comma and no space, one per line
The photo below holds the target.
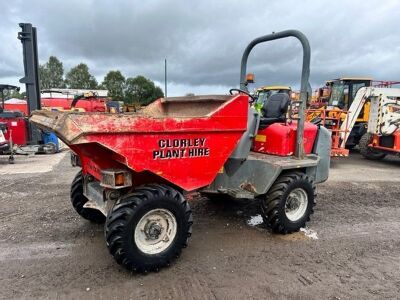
331,106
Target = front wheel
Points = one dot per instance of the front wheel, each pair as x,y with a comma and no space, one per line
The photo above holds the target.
289,203
147,229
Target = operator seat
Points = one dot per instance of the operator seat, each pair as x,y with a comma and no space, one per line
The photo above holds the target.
274,109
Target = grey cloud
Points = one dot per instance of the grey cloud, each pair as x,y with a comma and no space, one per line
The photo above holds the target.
203,40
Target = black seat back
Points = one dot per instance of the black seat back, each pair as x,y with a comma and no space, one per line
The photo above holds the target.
275,109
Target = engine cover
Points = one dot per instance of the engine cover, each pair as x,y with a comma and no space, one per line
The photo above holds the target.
280,139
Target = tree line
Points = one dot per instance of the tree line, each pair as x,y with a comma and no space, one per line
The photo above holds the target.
129,90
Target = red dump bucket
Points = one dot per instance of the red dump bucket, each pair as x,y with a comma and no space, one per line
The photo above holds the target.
184,140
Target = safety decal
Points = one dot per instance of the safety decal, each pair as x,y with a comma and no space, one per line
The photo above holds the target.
181,148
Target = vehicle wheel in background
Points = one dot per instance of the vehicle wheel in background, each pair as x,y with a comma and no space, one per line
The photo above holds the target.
368,152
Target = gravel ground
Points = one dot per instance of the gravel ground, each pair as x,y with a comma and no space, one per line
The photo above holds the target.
349,250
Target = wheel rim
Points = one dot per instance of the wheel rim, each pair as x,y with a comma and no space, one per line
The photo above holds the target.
155,231
296,204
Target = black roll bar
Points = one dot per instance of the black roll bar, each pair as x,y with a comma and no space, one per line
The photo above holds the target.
305,74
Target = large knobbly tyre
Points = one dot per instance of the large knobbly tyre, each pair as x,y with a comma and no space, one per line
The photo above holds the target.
367,151
289,203
147,229
78,201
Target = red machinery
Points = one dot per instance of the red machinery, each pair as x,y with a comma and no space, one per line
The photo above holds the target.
17,127
333,120
18,105
137,167
14,113
383,133
282,139
91,103
13,126
386,144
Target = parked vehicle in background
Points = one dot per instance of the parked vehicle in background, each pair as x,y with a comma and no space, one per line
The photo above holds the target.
335,102
137,167
383,133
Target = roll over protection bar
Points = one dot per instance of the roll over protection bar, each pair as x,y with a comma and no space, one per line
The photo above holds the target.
305,74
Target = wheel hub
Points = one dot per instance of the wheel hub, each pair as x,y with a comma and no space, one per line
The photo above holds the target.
296,204
293,204
155,231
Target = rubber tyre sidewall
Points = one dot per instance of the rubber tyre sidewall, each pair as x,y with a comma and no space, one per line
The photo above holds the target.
366,151
273,205
78,200
296,225
142,262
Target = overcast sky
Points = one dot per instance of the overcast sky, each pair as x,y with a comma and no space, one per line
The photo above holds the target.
203,40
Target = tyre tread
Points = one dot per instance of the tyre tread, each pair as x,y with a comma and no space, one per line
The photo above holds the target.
366,151
271,205
78,200
118,219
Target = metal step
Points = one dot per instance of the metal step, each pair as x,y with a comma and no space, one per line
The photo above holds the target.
240,193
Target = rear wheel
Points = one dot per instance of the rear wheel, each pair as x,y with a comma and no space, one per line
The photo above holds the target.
367,151
147,229
289,203
78,201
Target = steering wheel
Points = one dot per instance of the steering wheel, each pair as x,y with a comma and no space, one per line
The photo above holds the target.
244,92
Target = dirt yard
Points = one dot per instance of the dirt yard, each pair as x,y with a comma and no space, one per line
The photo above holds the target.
349,251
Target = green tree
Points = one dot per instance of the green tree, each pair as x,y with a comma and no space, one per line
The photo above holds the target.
17,94
8,94
114,82
51,74
141,90
80,78
44,77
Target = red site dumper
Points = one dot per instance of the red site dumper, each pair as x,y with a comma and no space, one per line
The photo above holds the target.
136,167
